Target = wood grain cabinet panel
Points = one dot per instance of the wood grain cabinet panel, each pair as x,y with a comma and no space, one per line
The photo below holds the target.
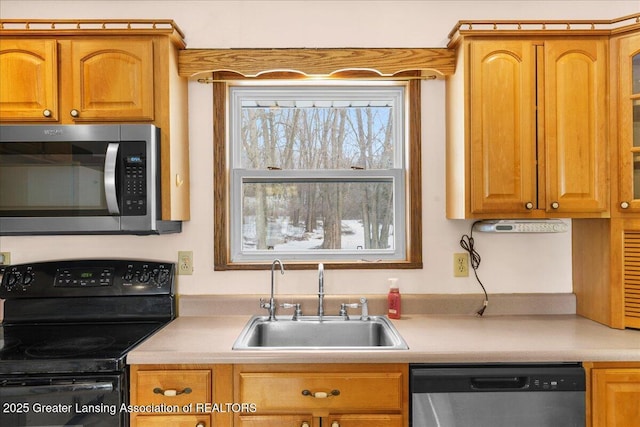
349,395
112,80
29,80
626,69
304,420
615,400
173,387
502,135
193,395
575,126
527,121
174,421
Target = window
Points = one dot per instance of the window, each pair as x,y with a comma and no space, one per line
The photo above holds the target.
317,171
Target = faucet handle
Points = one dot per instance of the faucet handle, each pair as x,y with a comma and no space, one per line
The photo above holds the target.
343,309
264,304
297,312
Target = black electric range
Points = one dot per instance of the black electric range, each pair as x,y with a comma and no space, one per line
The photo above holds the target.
67,329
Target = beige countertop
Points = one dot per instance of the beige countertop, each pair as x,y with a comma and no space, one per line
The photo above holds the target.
208,339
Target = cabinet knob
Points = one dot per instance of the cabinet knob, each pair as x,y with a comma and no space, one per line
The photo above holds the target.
201,424
555,205
304,424
46,113
74,113
528,205
624,205
335,424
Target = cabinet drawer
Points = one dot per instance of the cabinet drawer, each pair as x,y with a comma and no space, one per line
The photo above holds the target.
365,420
304,391
173,421
303,420
179,387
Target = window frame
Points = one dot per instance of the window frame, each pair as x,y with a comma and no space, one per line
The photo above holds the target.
222,191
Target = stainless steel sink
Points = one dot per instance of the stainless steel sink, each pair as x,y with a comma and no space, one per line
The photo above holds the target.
309,332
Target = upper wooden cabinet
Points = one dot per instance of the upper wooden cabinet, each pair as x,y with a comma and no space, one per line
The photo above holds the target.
110,80
99,80
94,71
626,70
29,80
527,127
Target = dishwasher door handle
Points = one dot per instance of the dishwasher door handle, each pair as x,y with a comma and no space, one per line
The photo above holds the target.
498,383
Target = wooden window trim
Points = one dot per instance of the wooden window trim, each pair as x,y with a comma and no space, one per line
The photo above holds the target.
222,259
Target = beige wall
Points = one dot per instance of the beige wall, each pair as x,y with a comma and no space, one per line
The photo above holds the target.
510,263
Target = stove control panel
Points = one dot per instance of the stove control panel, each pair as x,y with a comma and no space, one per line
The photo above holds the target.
87,278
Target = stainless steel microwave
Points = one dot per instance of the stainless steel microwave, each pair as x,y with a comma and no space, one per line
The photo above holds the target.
81,179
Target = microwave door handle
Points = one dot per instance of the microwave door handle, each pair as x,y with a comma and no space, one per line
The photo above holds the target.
110,162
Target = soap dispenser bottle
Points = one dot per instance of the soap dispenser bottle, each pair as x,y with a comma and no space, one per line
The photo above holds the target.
393,299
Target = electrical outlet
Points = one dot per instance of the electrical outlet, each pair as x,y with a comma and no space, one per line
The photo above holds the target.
5,258
461,264
185,262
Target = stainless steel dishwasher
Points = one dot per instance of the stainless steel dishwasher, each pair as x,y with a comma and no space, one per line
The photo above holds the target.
526,395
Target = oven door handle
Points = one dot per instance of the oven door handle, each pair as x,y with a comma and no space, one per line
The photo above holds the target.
110,189
35,390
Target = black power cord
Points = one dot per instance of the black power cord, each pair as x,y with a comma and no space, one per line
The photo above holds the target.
467,243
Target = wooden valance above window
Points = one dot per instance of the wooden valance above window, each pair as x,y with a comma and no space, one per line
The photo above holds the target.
385,62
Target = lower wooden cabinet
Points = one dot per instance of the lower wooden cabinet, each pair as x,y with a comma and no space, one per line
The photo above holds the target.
614,396
304,420
181,395
173,421
344,420
308,395
274,395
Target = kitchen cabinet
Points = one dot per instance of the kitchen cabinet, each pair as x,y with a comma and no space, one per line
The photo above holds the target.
99,80
344,395
29,80
606,258
110,71
614,394
181,395
626,77
606,270
527,122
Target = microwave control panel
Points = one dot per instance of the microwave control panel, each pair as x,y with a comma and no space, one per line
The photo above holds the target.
133,191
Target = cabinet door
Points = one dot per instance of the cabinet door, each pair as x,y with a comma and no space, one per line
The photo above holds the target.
616,397
502,134
29,80
172,420
363,420
302,420
112,80
575,126
629,123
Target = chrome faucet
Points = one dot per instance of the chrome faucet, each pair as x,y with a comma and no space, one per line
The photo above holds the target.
320,290
271,305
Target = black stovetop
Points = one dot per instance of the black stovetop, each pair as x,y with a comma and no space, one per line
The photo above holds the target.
65,348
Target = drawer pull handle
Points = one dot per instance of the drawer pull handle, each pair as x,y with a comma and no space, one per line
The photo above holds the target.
171,392
321,394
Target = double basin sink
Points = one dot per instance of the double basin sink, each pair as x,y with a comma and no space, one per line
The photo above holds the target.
326,333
